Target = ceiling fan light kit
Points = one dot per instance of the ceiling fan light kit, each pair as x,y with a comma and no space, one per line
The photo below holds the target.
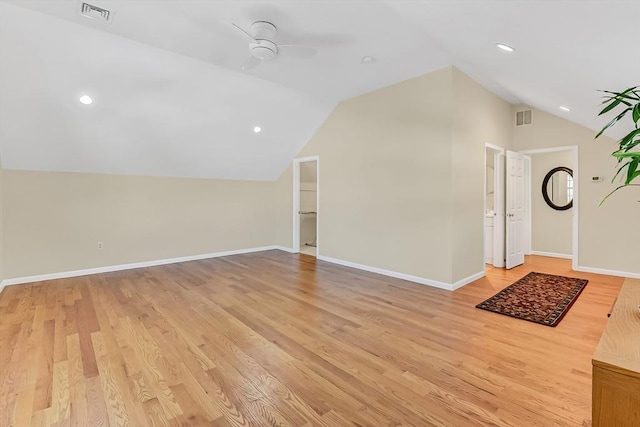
264,50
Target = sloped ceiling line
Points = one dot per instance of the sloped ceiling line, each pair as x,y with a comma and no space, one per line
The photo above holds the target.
170,99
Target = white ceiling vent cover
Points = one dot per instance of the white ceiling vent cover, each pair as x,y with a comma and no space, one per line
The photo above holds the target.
523,118
95,12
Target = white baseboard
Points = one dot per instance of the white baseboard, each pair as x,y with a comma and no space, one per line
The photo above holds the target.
609,272
467,280
121,267
285,249
403,276
552,254
111,268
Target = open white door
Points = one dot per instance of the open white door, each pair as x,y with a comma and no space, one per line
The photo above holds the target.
499,222
515,209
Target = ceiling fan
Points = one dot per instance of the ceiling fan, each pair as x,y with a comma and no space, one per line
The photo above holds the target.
262,45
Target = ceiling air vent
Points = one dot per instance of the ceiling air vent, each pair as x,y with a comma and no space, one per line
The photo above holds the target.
523,118
95,12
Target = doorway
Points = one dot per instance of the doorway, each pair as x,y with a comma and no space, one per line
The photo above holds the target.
494,219
306,173
554,223
519,176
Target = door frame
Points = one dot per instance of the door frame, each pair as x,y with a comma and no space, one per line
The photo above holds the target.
527,204
576,195
296,202
498,204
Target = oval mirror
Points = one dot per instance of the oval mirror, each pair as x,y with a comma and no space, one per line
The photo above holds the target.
557,188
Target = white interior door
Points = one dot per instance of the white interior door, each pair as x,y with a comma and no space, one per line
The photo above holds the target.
515,209
499,221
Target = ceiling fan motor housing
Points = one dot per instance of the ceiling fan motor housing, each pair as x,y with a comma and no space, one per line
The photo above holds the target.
264,33
263,30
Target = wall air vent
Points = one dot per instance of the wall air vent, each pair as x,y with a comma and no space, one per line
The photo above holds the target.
95,12
523,118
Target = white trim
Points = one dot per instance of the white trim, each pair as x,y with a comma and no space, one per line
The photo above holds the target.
485,256
120,267
494,147
496,256
499,222
317,205
608,272
576,194
528,194
296,202
552,254
576,204
548,150
131,266
403,276
295,242
306,159
460,283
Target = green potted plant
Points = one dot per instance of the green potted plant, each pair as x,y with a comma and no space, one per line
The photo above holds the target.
627,154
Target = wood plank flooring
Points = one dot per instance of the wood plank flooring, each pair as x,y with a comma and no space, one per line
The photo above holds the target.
274,339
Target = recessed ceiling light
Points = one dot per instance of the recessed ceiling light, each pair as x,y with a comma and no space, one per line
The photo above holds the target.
86,99
257,129
368,60
563,108
505,47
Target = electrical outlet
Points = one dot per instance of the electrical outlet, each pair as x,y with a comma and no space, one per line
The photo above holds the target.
100,245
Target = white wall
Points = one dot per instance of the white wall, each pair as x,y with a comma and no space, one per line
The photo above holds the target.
551,230
609,235
53,221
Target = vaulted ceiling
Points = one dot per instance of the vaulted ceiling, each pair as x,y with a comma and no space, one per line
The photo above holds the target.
170,97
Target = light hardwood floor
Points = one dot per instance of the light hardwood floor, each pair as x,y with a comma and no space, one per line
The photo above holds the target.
277,339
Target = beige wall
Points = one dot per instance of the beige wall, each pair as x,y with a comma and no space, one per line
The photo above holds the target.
284,209
479,117
551,230
1,226
309,171
385,179
401,189
609,236
53,221
391,194
308,203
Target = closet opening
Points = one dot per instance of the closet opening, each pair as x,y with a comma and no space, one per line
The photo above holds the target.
305,206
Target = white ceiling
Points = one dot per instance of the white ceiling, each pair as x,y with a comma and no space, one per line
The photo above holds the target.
170,99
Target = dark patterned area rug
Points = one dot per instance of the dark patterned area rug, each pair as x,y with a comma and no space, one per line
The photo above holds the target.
537,297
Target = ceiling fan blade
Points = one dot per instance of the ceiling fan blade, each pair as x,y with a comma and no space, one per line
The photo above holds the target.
243,31
250,64
297,51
